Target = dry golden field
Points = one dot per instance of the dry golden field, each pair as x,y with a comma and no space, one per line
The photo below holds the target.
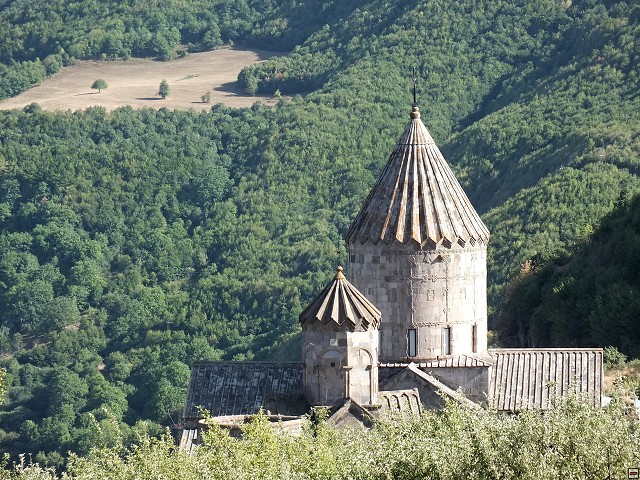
135,82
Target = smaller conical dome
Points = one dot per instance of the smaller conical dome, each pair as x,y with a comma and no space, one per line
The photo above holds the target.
342,303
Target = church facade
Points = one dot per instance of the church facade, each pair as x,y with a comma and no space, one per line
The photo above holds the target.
408,328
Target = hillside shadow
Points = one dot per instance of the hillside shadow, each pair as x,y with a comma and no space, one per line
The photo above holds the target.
229,87
262,54
88,93
149,98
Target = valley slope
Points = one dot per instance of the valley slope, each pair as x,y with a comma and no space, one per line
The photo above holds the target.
136,241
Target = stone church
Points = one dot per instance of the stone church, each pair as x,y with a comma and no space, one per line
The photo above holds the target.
410,327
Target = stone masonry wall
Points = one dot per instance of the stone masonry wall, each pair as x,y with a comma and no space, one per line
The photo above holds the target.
339,364
473,382
426,290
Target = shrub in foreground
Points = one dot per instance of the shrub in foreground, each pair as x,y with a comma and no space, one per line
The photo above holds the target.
573,441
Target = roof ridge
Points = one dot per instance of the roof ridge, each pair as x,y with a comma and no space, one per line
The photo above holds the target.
554,349
343,304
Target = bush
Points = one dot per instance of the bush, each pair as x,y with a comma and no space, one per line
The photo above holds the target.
459,442
613,357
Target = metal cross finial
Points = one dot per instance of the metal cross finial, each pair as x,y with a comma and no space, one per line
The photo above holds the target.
415,83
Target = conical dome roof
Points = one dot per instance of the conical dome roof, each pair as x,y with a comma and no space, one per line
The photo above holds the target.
417,197
342,303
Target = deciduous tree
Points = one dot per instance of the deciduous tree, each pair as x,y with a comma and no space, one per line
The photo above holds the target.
99,85
163,89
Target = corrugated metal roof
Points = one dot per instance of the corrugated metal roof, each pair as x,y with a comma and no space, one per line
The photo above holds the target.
242,388
342,303
417,197
523,379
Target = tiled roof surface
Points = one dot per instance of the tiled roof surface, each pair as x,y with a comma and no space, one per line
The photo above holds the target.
451,361
242,388
417,197
342,303
523,379
188,440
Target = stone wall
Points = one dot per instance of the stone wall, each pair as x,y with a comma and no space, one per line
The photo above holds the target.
339,365
425,290
473,382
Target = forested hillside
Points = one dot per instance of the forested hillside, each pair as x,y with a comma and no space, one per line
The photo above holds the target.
589,295
39,37
535,105
134,242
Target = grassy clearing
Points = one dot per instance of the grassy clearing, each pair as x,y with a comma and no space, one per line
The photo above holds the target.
135,83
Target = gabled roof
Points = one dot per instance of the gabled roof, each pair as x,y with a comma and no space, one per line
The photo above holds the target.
342,304
243,388
417,198
523,379
349,413
404,403
412,370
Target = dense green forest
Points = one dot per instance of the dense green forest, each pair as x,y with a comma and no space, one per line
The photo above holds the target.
39,37
134,242
587,295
